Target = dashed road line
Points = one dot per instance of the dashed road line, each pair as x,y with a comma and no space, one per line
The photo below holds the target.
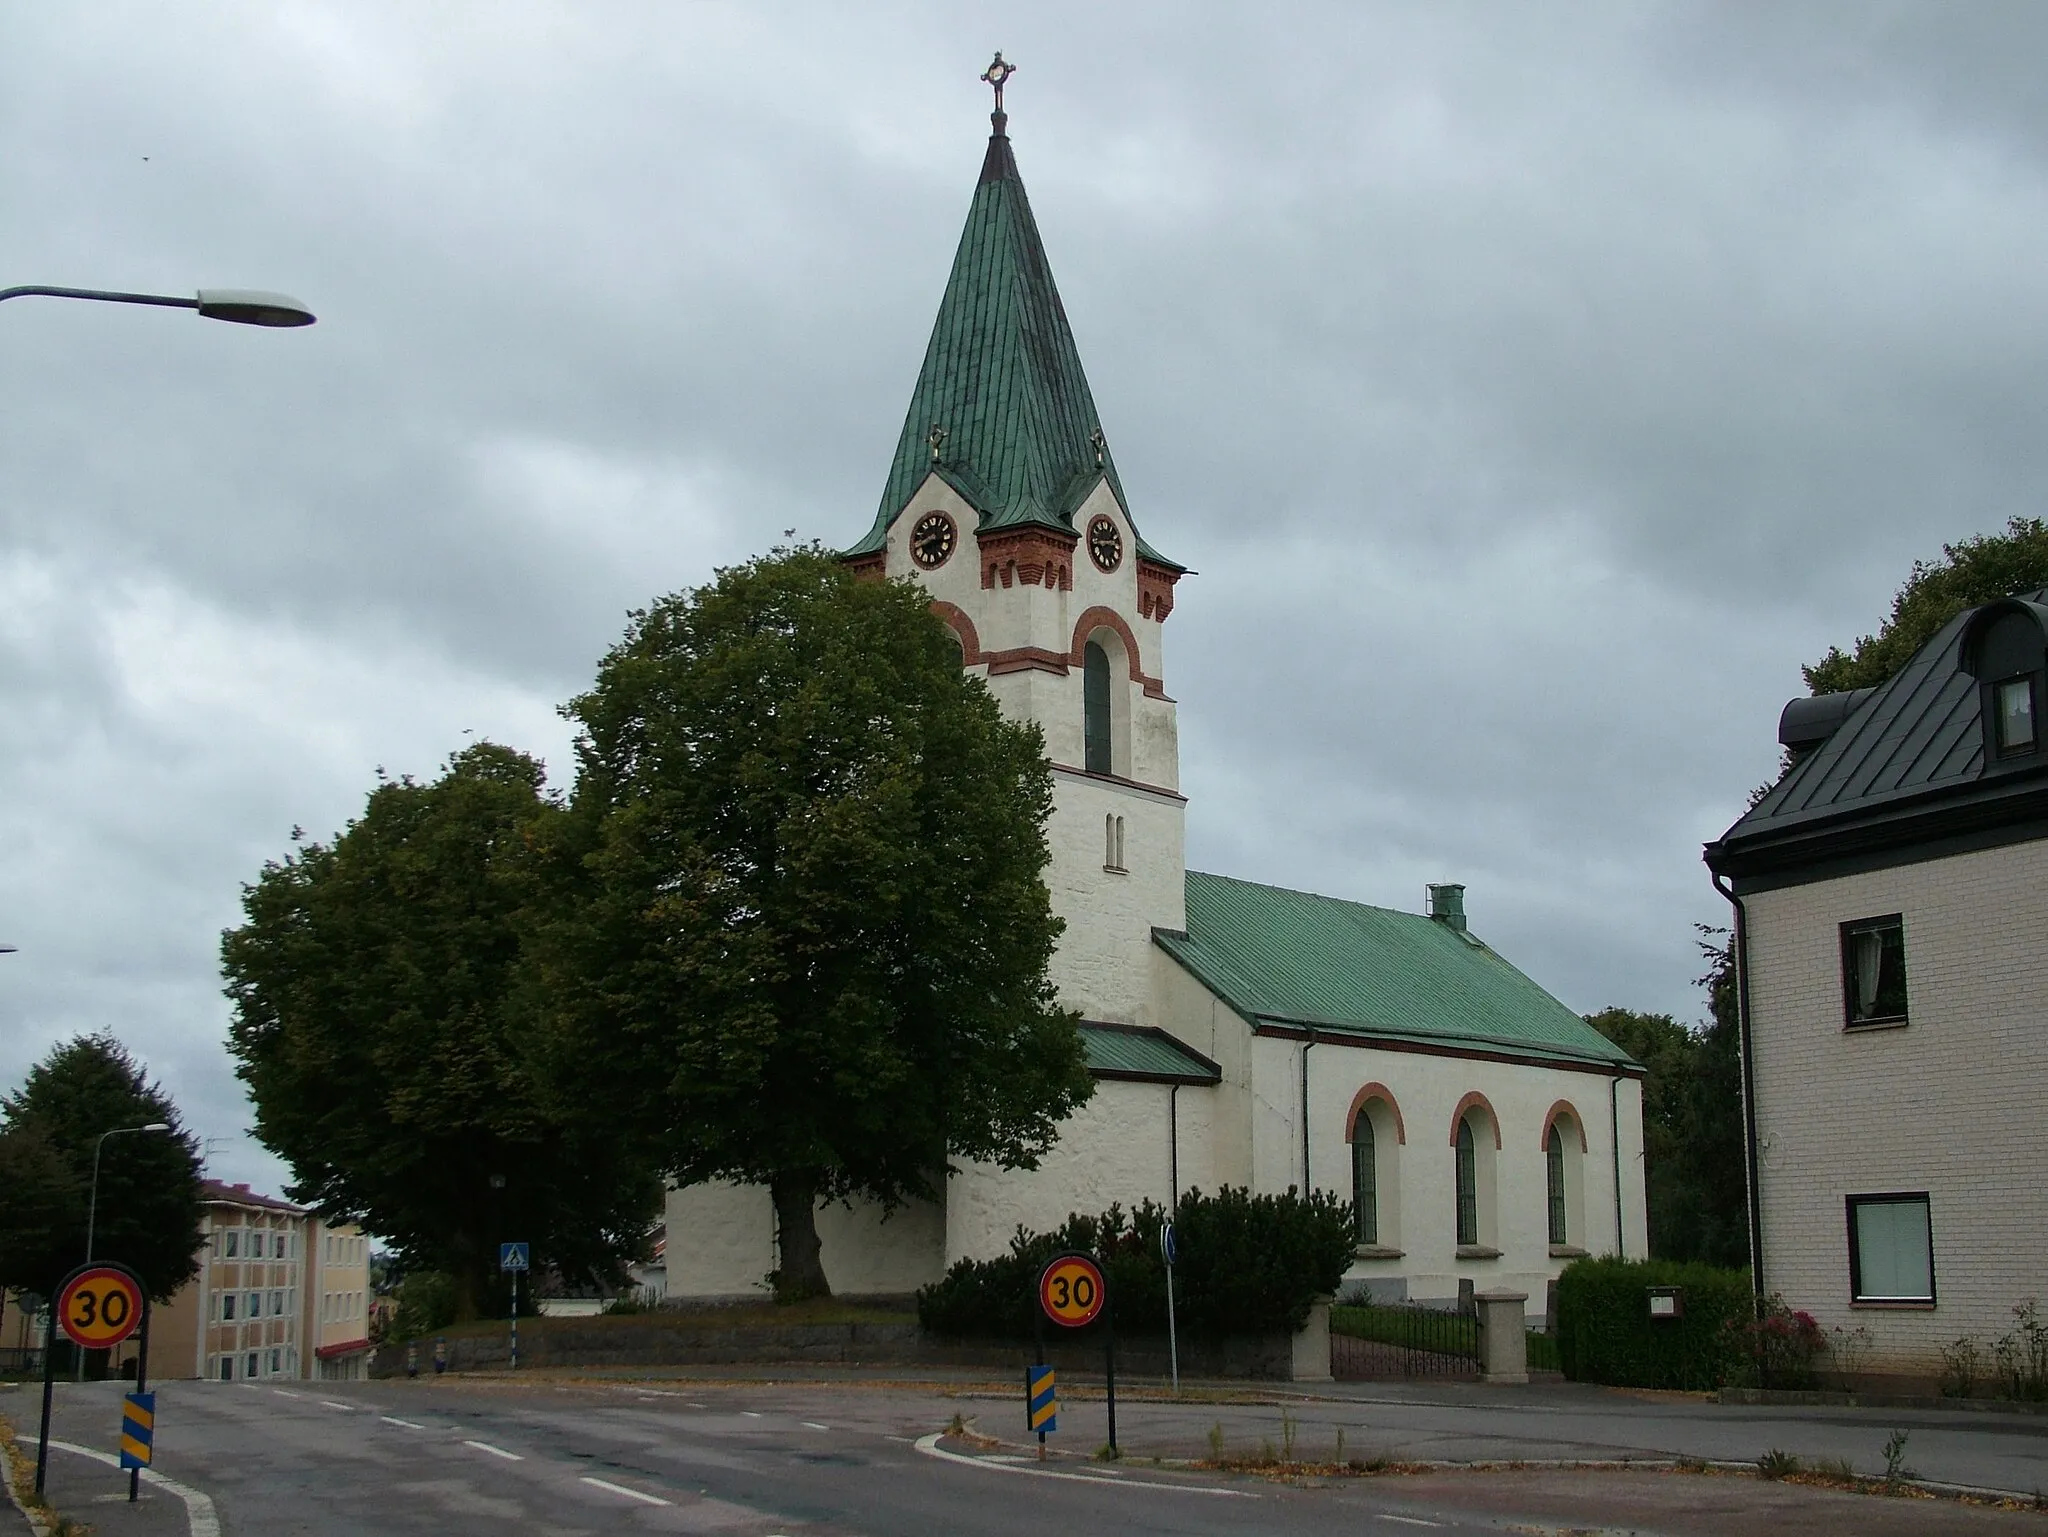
814,1425
328,1403
631,1494
286,1393
750,1414
929,1445
495,1451
1408,1520
392,1419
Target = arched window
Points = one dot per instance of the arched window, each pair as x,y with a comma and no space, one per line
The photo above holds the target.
1468,1184
1365,1195
1553,1161
1095,730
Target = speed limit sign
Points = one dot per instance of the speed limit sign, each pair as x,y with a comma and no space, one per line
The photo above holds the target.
100,1306
1071,1291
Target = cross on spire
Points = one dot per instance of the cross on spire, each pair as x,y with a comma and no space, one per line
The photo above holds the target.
996,74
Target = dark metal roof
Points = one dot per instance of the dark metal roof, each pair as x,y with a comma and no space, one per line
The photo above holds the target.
1002,377
1904,767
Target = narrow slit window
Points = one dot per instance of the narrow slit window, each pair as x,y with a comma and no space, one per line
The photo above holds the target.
1553,1160
1365,1202
1468,1184
1095,742
1120,843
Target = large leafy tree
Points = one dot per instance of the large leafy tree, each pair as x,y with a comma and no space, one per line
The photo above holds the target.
382,1029
1970,573
812,940
148,1211
1692,1119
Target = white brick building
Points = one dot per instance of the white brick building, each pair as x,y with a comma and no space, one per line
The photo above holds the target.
1893,898
1239,1034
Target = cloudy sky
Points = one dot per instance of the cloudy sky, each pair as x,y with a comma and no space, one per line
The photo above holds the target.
1533,388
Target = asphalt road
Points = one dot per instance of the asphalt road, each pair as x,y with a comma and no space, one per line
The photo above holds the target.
458,1456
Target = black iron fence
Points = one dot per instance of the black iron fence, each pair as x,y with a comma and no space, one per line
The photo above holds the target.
20,1361
1404,1339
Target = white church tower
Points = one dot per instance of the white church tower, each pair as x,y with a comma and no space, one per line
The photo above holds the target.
1003,502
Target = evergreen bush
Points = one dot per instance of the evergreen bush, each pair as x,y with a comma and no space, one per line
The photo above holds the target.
1245,1264
1605,1332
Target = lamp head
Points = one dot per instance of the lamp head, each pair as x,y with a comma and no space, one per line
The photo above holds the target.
253,307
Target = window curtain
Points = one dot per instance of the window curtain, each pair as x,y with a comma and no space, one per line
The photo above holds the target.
1868,950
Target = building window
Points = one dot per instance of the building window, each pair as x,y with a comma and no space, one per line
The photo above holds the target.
1553,1163
279,1249
1874,970
277,1360
227,1368
1891,1248
1112,842
255,1304
1095,734
1468,1184
1365,1194
231,1244
255,1366
277,1304
227,1307
2013,715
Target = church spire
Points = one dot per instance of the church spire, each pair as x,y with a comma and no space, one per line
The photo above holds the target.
1002,411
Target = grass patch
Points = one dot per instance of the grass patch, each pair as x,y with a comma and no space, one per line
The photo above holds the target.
739,1315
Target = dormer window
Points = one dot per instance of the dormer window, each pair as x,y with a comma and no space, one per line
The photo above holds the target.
2013,715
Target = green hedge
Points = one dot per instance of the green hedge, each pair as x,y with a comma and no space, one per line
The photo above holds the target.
1605,1332
1244,1264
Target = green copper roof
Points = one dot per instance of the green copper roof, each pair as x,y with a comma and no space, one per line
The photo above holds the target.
1146,1054
1292,959
1002,379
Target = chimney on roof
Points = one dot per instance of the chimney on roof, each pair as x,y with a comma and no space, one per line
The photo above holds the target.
1447,905
245,1187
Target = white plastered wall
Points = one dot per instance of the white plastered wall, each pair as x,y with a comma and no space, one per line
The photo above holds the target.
721,1243
1949,1104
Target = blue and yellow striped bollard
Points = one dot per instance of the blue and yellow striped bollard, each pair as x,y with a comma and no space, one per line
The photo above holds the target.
138,1429
1041,1399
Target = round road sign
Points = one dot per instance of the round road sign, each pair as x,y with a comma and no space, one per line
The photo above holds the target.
1071,1290
100,1306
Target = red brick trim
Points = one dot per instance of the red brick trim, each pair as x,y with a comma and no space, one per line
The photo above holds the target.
868,568
1365,1096
1036,557
1564,1107
1025,659
954,618
1101,618
1155,590
1457,1115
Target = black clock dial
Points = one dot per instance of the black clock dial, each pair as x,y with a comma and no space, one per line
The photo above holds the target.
932,540
1105,544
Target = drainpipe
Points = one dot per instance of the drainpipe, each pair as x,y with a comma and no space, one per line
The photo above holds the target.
1173,1148
1748,1055
1307,1047
1614,1141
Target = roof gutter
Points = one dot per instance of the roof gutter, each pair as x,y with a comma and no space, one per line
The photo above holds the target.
1748,1056
1614,1140
1306,1048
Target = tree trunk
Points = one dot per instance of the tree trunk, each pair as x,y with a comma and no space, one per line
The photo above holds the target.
799,1269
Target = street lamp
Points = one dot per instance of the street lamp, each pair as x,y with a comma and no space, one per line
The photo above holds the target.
92,1204
243,306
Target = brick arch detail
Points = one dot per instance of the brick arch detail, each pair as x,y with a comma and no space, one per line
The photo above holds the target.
955,619
1471,1099
1100,618
1365,1096
1563,1107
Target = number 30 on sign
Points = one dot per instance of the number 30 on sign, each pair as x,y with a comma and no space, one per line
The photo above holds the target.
100,1307
1070,1290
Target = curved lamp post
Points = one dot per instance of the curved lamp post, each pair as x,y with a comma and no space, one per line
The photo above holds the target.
243,306
92,1204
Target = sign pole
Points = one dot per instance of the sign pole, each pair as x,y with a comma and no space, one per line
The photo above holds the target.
141,1387
1038,1355
1109,1336
515,1320
49,1386
1172,1334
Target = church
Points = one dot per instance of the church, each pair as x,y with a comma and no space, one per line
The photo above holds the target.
1239,1034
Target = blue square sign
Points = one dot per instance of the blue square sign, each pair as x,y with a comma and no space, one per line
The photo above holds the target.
512,1256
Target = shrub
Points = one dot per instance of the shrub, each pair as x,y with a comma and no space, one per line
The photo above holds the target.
1779,1348
1245,1264
1605,1332
426,1302
2022,1354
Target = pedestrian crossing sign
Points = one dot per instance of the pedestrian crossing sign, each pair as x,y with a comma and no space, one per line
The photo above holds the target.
138,1429
512,1256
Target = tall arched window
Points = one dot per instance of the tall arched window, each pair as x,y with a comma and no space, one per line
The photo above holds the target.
1095,730
1365,1195
1468,1184
1553,1161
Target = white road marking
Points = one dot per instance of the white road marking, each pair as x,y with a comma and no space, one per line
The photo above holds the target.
696,1406
631,1494
750,1414
929,1445
200,1519
344,1408
286,1393
495,1451
814,1425
390,1419
1409,1520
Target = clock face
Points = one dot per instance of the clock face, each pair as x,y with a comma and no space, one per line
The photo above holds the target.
932,540
1105,544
